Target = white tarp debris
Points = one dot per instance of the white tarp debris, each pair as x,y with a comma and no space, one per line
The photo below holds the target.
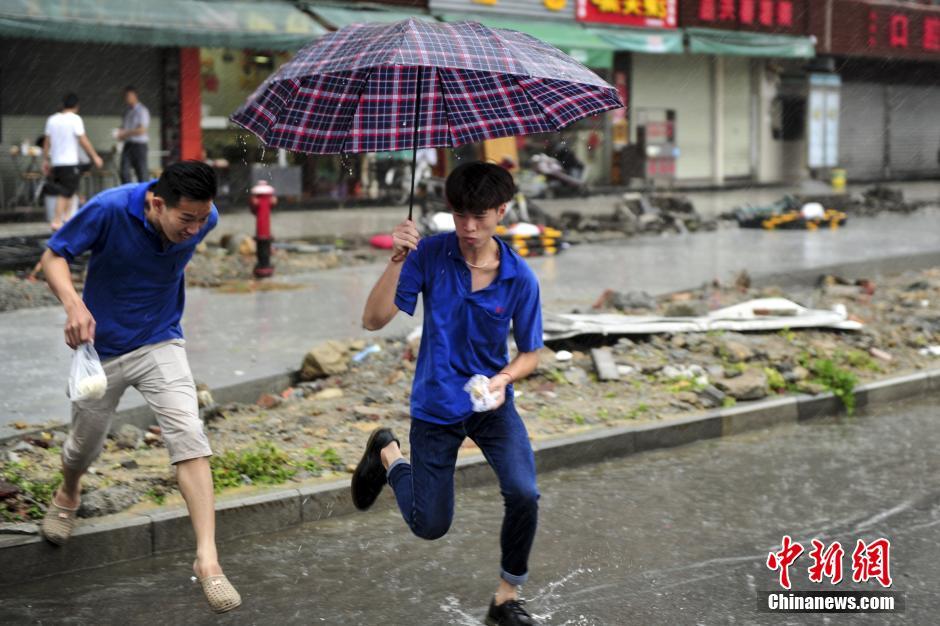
753,315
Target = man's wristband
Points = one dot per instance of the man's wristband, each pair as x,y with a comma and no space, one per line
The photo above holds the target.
507,374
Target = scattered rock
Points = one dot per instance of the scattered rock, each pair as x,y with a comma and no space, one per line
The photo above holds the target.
796,374
625,301
604,364
310,386
107,501
128,437
685,309
371,412
751,385
204,395
563,356
330,393
129,464
151,439
810,388
734,351
8,490
711,396
576,376
326,359
268,401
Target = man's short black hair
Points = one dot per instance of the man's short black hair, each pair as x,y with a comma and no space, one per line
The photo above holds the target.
193,180
70,101
477,186
129,89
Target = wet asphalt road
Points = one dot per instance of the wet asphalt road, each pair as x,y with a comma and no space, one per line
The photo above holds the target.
676,536
239,337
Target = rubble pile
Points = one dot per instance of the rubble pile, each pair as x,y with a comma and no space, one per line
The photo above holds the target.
317,427
639,213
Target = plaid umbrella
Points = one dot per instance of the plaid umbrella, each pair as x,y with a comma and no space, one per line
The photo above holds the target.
417,84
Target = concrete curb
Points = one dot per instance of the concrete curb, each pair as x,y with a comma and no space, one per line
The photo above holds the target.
112,539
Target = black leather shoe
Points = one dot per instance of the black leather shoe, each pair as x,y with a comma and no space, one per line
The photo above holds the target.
511,613
370,477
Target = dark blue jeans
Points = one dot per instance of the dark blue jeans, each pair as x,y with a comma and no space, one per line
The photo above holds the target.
425,487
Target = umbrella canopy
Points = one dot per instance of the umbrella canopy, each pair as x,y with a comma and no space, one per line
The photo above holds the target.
356,89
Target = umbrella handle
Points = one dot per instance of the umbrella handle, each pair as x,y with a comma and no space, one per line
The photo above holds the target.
414,143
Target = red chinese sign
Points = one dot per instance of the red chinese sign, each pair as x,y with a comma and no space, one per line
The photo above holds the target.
881,30
898,29
641,13
787,16
870,561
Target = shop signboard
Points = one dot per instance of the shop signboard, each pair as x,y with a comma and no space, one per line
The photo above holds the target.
629,13
881,30
788,17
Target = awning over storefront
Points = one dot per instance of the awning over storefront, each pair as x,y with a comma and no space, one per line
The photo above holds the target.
339,17
645,41
737,43
269,25
573,39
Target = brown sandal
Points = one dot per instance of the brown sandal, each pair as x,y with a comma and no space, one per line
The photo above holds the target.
220,593
58,524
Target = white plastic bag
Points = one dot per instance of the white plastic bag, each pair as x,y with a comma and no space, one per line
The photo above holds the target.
87,380
481,397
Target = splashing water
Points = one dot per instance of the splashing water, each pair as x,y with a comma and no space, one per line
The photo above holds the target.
548,598
457,614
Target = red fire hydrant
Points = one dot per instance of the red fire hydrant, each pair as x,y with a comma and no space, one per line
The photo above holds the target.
262,201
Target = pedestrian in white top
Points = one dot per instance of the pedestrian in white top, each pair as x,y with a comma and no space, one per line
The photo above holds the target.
64,135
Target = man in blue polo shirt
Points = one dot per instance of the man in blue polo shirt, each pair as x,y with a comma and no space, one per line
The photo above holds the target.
474,286
141,236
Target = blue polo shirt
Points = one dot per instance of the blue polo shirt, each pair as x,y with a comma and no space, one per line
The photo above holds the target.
134,288
465,332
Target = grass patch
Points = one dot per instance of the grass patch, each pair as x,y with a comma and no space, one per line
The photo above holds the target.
637,411
839,381
40,491
318,461
264,464
157,496
858,360
775,380
556,377
787,335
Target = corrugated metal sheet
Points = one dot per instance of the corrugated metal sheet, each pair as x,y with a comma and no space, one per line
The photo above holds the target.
862,130
528,8
915,129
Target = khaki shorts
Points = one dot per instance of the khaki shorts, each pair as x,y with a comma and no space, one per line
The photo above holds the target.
160,372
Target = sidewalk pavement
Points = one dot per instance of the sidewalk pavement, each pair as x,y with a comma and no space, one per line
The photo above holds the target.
236,338
367,221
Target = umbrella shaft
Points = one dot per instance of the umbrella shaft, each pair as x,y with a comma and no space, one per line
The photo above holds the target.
414,143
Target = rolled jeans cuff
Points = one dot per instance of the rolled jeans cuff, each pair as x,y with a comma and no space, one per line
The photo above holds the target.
512,579
395,463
